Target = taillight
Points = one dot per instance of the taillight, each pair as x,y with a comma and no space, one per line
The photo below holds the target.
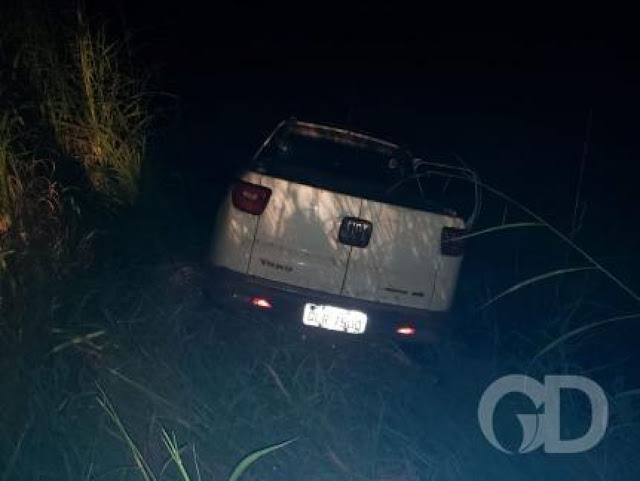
250,198
261,302
452,241
406,330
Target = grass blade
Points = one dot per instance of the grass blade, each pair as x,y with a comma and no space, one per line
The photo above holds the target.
139,460
533,280
580,330
248,460
15,454
174,451
563,237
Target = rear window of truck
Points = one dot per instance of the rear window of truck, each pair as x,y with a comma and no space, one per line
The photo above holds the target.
387,177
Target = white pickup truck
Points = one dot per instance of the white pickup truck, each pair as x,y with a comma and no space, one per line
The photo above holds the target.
343,231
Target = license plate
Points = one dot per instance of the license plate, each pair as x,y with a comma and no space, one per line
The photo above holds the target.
334,318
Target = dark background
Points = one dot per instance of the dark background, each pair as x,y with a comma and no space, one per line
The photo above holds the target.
512,95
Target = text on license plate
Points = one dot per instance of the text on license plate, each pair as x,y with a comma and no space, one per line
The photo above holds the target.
334,318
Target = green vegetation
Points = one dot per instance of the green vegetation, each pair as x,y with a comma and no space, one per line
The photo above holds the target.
99,114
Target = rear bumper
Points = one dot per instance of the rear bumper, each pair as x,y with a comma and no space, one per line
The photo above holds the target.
233,289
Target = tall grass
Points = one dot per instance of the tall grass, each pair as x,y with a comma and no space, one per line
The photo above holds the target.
175,451
7,177
565,239
97,111
73,130
7,198
101,116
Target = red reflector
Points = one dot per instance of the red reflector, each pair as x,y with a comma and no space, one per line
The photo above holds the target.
250,198
451,241
406,331
261,302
